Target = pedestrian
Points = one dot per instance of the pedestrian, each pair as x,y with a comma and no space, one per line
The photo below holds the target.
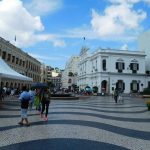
1,91
24,99
113,93
45,100
116,95
1,94
32,97
120,97
37,100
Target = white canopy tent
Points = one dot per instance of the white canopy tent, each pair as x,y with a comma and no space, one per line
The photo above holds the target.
7,72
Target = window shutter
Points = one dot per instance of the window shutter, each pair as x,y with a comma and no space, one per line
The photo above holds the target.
123,86
104,64
131,86
123,65
137,87
137,66
116,65
131,66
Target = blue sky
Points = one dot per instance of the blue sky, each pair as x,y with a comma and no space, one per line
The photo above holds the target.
53,30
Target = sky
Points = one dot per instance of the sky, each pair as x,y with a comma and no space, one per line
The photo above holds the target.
53,30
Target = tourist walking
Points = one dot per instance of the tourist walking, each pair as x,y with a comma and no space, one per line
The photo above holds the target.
113,93
24,99
1,94
116,95
45,100
37,100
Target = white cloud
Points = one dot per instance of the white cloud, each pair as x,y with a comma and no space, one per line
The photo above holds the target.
124,1
15,20
147,1
84,31
43,58
42,7
117,20
124,47
88,33
128,1
59,43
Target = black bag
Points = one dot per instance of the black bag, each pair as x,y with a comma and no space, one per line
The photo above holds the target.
24,104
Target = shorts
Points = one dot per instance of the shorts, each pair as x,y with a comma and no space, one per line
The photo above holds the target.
23,113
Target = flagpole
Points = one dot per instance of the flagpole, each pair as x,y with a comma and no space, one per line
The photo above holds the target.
15,41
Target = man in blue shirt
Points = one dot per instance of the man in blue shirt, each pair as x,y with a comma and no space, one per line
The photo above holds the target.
24,99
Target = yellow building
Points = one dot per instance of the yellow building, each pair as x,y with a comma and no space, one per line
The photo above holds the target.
19,61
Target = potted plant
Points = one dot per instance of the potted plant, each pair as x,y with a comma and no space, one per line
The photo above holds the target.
148,104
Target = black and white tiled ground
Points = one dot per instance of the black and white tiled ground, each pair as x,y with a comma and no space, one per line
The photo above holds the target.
96,123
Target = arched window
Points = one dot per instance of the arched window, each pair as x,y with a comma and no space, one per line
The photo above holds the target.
120,85
104,64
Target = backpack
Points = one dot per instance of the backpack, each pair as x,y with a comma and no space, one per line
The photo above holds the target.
45,97
25,103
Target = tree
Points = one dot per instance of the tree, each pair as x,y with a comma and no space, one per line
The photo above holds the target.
51,85
74,86
95,89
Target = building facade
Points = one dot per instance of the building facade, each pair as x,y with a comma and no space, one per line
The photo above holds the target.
20,62
108,69
69,75
56,82
43,73
144,45
54,78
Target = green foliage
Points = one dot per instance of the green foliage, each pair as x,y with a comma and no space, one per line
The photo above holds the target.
50,84
95,89
146,91
75,87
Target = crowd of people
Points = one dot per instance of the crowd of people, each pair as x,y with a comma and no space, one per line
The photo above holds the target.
40,98
7,91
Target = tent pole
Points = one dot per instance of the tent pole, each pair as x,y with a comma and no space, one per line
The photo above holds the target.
0,82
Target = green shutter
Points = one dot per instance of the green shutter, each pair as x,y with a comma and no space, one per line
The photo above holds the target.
131,66
123,65
137,87
137,66
116,65
123,86
131,86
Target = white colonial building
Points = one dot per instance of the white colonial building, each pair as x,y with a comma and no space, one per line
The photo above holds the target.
144,45
108,69
69,75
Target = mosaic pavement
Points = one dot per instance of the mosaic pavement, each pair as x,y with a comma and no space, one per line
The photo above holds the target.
96,123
